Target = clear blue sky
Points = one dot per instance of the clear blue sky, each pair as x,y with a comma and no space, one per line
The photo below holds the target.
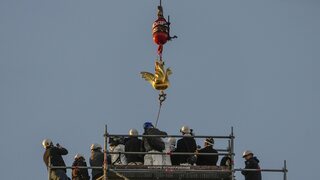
69,67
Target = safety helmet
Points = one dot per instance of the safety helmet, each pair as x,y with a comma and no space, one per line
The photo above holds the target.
147,125
46,143
246,153
133,132
95,146
172,140
77,156
209,140
114,141
185,130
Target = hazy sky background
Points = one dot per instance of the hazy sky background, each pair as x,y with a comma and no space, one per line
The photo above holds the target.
68,67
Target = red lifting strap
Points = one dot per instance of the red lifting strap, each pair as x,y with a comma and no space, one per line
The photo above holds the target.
160,49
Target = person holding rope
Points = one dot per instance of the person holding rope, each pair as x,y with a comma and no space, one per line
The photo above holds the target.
153,144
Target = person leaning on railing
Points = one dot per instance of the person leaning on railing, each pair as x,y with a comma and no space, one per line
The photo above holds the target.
187,144
134,144
207,160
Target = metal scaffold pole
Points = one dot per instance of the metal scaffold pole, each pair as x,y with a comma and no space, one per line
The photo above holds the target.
285,170
49,168
105,164
232,153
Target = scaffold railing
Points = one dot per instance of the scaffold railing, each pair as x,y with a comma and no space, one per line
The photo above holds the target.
122,170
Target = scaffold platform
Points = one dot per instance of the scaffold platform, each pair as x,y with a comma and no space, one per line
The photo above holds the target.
135,172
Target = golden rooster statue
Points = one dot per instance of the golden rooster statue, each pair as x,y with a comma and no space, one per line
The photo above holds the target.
159,80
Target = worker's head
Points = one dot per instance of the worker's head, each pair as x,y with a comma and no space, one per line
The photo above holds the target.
133,132
116,140
185,130
247,154
209,141
78,156
147,125
47,143
172,143
95,146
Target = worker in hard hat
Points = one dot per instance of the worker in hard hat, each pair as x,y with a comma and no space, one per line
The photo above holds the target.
53,155
186,144
207,160
96,160
251,162
153,144
117,146
79,173
134,144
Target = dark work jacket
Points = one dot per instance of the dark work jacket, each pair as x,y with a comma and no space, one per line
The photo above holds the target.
175,159
80,174
96,159
252,163
153,143
133,144
226,161
186,144
55,153
207,160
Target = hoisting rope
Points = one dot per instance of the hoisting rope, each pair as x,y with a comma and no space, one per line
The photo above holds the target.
162,98
162,95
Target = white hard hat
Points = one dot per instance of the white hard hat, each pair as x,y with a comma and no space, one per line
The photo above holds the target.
209,140
95,146
46,143
172,140
185,130
78,156
133,132
247,152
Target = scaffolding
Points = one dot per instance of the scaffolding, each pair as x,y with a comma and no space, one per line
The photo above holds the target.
161,172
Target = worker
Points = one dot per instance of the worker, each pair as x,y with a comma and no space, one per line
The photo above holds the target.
226,161
153,144
134,144
96,160
53,155
117,146
79,173
187,144
173,157
207,160
251,162
170,146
